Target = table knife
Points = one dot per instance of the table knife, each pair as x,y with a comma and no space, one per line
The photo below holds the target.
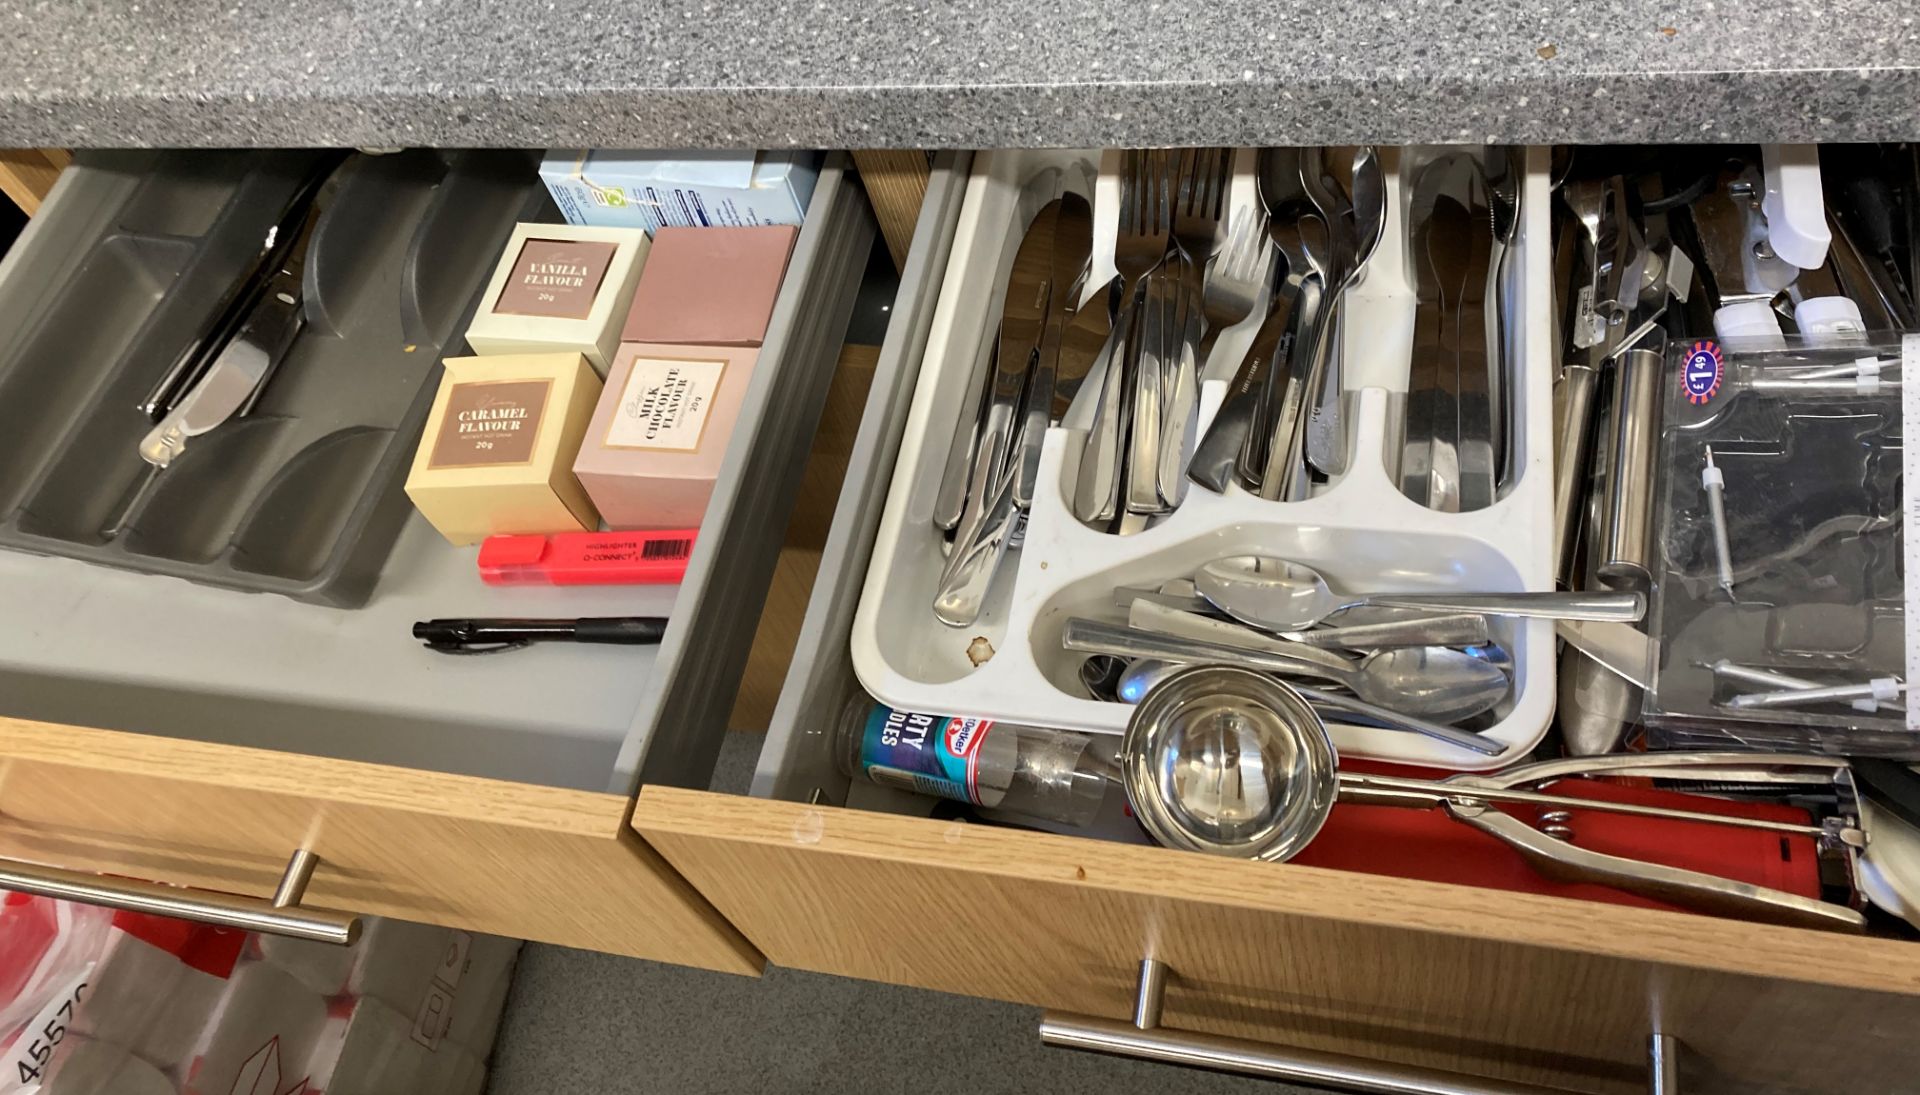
232,380
1072,228
1023,320
1080,345
1097,492
980,538
281,234
951,501
1477,351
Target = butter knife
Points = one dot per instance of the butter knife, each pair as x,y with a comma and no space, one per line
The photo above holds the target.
980,539
1082,342
230,383
1072,245
1023,322
1097,491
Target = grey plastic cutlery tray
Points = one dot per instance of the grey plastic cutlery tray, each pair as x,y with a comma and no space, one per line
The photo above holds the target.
94,646
131,254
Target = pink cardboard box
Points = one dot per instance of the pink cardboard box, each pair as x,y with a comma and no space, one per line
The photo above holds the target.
654,446
710,286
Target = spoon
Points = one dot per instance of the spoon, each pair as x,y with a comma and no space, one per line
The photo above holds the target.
1430,682
1464,629
1467,631
1164,620
1145,675
1305,244
1277,595
1361,206
1140,677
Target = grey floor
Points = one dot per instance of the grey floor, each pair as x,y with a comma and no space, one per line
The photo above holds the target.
584,1022
579,1021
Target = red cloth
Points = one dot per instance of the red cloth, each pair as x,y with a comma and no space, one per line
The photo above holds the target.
210,950
27,932
1431,846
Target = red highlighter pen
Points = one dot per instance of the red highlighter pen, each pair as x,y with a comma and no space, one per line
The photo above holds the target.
587,558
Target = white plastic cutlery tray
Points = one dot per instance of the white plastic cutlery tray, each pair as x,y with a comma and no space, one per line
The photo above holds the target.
1358,530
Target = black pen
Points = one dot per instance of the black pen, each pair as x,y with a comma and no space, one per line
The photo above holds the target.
488,636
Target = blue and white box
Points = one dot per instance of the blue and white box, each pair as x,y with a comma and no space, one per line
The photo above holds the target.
642,188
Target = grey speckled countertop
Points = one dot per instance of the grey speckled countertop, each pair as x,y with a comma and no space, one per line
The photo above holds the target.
952,73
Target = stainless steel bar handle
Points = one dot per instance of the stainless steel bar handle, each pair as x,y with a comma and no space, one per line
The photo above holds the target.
282,915
1146,1040
1663,1065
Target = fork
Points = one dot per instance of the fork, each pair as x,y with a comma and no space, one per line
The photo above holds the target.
1180,301
1141,243
1146,427
1237,278
1199,191
1200,195
1200,199
1146,217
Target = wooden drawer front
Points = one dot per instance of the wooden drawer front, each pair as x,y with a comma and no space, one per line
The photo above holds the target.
510,859
1525,988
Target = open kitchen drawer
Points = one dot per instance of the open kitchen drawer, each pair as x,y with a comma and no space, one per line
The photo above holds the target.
197,737
1519,988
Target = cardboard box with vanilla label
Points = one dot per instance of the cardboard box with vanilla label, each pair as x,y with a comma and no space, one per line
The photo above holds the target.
560,287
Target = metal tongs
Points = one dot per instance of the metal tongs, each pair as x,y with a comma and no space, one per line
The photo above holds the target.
1551,853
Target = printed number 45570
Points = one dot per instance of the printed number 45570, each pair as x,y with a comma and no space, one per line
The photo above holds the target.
39,1052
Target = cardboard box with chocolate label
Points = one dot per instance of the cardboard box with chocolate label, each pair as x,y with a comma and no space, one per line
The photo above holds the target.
660,433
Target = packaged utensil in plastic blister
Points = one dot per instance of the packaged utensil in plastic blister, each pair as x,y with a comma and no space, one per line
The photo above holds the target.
1779,611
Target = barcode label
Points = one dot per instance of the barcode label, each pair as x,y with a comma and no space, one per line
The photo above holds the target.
1910,503
666,549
